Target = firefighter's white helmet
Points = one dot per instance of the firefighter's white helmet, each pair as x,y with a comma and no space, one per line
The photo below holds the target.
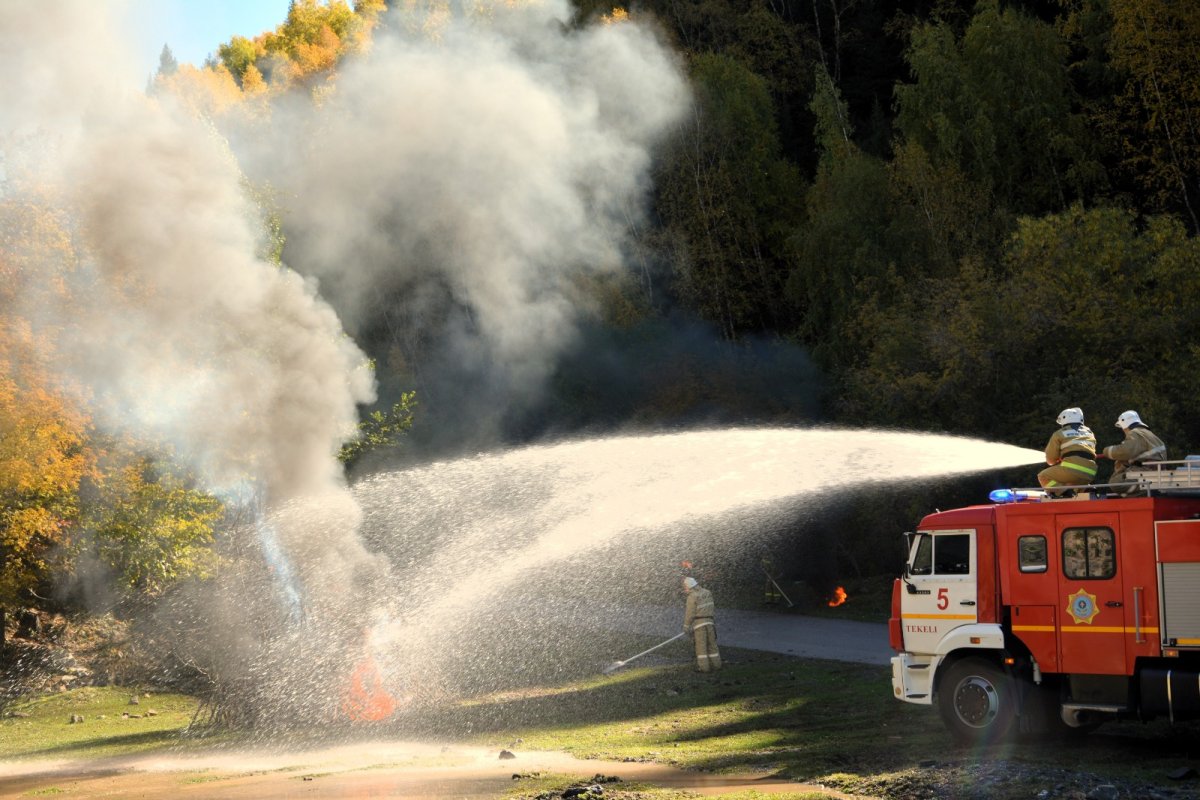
689,583
1127,419
1069,416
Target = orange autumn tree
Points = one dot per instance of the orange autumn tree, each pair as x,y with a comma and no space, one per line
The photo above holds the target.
70,495
308,43
43,430
42,460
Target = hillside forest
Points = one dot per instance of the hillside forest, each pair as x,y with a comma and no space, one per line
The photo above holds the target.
927,215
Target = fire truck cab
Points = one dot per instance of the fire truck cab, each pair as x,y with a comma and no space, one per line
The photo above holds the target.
1038,613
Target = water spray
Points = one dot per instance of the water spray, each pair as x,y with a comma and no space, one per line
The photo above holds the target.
515,529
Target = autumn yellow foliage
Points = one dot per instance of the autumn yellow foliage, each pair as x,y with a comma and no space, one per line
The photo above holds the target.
65,491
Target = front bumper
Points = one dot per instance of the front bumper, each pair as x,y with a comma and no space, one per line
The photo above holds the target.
912,677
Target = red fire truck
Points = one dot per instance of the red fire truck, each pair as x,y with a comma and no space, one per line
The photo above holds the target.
1039,612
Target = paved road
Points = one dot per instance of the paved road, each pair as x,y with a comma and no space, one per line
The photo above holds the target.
775,632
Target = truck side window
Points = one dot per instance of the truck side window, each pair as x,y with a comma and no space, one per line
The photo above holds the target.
1031,552
1089,553
922,563
952,554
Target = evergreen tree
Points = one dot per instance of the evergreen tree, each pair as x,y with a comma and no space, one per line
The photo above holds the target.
167,65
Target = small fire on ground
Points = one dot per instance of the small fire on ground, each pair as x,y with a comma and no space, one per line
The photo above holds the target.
366,700
839,597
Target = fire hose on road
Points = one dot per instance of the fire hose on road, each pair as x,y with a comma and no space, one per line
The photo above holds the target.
616,665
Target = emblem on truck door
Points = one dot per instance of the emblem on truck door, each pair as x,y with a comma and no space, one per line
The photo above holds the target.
1082,606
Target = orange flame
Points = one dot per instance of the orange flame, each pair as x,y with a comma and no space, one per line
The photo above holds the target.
839,597
366,700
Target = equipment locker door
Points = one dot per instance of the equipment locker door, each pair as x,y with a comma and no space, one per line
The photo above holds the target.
942,594
1092,628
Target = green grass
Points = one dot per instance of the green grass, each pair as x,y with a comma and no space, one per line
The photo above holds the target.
809,721
763,713
815,722
47,731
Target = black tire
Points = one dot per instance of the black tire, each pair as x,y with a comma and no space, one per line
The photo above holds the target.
977,701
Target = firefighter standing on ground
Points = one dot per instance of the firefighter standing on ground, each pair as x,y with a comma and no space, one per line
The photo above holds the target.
1071,453
698,621
1140,446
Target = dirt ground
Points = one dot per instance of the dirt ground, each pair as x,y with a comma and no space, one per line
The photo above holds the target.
378,770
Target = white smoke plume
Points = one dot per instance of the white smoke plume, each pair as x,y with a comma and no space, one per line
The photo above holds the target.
181,332
459,182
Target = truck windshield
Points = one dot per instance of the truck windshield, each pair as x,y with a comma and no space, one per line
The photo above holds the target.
922,556
943,554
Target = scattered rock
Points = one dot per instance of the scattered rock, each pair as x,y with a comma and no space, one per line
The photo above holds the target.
308,777
1181,774
671,692
135,716
28,624
20,714
505,755
76,719
150,712
125,715
599,778
133,701
1105,791
594,790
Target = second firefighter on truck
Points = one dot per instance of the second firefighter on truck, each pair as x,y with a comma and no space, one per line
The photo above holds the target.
698,621
1140,446
1071,454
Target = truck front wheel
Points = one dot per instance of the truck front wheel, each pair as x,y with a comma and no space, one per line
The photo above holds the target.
976,701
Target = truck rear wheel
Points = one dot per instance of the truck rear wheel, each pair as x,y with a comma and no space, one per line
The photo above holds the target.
976,701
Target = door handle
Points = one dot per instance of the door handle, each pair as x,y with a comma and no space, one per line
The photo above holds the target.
1137,615
967,603
1114,604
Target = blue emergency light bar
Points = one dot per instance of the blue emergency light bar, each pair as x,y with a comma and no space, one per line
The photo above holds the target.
1015,495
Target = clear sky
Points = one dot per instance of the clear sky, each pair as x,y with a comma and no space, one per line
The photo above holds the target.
195,28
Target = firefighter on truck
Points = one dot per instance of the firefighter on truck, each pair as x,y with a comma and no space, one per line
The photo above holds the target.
1034,613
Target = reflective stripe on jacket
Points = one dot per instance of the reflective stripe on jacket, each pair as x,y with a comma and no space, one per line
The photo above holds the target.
1071,440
